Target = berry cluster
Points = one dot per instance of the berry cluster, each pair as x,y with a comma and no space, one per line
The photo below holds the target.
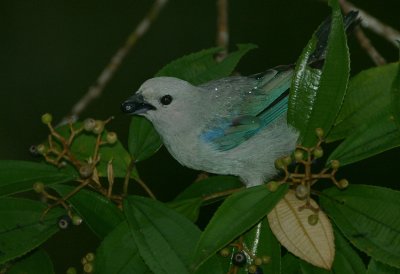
298,171
57,151
244,258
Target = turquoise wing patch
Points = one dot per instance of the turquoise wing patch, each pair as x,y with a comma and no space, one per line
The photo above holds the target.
262,106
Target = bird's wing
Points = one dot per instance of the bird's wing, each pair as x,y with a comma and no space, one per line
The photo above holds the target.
260,103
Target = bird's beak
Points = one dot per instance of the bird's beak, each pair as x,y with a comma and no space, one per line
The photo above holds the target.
136,105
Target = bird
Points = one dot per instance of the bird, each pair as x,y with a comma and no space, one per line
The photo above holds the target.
236,125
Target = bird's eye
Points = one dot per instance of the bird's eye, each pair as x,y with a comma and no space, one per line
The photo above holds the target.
166,100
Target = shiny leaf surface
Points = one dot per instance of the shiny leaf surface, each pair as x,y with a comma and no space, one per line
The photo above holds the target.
316,96
229,221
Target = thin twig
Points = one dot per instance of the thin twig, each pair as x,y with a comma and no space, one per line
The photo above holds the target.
97,88
131,166
146,188
370,22
366,44
222,28
128,176
363,40
222,193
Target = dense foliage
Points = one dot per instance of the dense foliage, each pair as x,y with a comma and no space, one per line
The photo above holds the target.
143,235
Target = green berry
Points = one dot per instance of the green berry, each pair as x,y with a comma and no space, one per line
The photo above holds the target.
90,257
279,164
258,261
99,127
89,124
84,261
343,183
111,137
252,269
298,155
76,220
287,160
47,118
86,171
71,270
41,149
239,258
335,164
225,252
266,259
313,219
88,268
272,186
319,132
38,187
318,152
301,192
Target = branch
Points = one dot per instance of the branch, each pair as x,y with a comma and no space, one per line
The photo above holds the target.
366,44
97,88
222,28
363,40
369,22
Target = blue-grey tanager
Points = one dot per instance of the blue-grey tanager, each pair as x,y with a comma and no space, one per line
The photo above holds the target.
235,125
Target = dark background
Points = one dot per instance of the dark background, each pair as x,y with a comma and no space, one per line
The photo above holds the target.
52,51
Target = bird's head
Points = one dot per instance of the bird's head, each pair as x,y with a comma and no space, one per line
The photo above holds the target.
162,98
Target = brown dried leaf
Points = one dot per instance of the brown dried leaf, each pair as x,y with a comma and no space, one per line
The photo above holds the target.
312,243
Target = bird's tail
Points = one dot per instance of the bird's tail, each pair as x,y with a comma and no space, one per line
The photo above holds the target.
350,20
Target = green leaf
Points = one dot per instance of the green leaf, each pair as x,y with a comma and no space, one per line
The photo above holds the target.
206,187
367,98
143,141
237,214
201,67
260,241
376,136
376,267
18,176
395,96
165,239
189,207
37,262
290,264
118,253
98,212
21,229
189,201
307,268
346,259
316,97
366,118
369,217
84,145
212,266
